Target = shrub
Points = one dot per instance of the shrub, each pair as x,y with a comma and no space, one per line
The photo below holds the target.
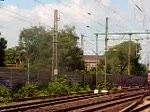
109,85
25,91
87,88
43,86
4,92
58,86
77,87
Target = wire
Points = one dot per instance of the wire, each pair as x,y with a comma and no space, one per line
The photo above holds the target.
3,27
10,10
66,5
136,6
113,11
66,16
142,10
24,18
62,13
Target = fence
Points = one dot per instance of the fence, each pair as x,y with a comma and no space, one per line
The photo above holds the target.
14,77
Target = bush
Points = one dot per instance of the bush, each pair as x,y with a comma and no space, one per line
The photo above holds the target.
59,86
77,87
4,92
101,85
25,91
87,88
43,86
115,89
56,87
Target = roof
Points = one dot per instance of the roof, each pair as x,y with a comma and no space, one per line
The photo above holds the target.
91,57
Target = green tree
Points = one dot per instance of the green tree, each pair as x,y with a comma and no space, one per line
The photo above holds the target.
117,61
3,45
73,60
37,44
71,57
10,55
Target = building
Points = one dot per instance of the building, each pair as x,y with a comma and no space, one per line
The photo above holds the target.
90,61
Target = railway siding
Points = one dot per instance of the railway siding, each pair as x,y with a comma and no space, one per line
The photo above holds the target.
77,102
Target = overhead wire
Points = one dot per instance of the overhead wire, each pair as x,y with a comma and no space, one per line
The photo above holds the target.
138,7
72,19
21,17
66,16
59,11
80,13
142,11
3,27
114,12
10,10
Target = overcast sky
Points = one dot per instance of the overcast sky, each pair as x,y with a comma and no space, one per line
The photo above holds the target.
124,15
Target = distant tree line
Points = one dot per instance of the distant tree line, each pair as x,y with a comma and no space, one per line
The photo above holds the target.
117,60
3,45
35,44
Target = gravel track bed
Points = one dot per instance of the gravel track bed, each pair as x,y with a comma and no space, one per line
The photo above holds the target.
116,108
59,107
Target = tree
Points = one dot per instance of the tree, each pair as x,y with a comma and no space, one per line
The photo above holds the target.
3,45
37,44
73,60
117,61
71,57
10,56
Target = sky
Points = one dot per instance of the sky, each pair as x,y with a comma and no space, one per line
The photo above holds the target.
124,15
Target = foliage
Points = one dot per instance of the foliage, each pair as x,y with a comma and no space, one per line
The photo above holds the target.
70,55
3,46
36,44
25,91
87,88
109,86
4,92
10,56
101,65
78,87
117,61
73,60
58,86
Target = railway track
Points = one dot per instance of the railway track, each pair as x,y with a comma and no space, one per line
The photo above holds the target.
59,96
103,104
45,97
45,102
59,104
145,108
142,105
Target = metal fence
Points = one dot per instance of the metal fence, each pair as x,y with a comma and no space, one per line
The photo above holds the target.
13,77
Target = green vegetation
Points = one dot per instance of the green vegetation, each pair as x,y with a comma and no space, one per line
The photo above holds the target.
36,44
10,56
101,85
25,91
57,87
3,45
4,93
117,60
